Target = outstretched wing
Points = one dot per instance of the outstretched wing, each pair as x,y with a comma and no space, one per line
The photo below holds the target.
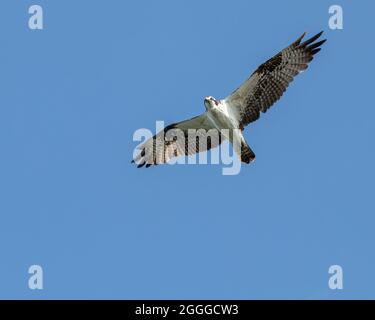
183,138
268,83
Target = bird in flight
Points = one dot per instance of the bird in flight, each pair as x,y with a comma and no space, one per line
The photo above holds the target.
244,106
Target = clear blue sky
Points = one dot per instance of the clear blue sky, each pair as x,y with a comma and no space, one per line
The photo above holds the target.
73,94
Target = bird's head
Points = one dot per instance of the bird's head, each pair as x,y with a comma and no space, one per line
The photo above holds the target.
210,102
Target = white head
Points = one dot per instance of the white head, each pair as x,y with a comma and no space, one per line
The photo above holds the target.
210,102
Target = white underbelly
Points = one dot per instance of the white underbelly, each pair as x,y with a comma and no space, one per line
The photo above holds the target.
221,120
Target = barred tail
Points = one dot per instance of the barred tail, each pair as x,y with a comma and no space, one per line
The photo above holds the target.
247,155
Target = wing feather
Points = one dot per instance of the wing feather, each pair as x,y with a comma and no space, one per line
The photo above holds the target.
174,141
269,82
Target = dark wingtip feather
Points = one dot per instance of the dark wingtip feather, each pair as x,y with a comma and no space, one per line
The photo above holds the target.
318,35
316,44
298,41
312,39
315,51
148,165
141,165
132,161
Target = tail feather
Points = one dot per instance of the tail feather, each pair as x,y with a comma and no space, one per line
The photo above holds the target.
247,155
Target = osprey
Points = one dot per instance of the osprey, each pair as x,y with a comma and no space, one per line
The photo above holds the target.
257,94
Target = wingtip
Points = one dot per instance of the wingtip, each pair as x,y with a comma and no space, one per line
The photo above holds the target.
311,40
322,42
318,35
141,165
298,41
